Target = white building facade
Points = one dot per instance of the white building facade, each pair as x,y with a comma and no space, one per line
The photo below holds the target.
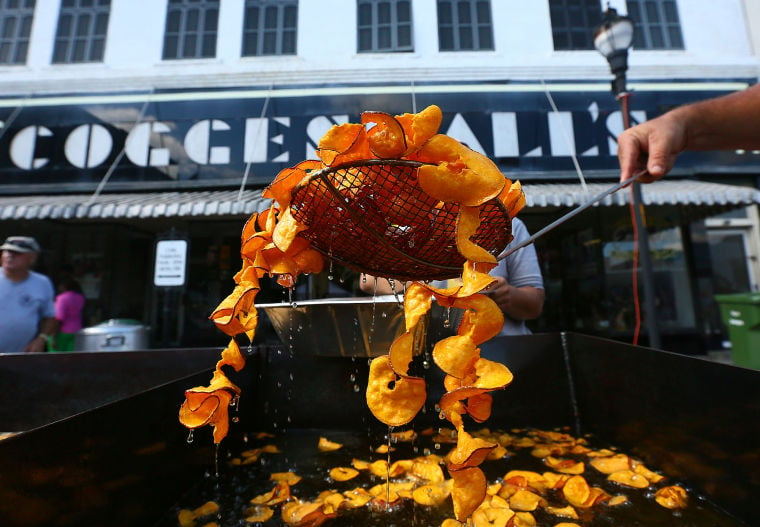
128,121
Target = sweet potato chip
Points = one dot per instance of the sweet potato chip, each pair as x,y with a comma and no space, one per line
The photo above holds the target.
672,497
468,221
392,399
343,473
461,175
577,491
468,492
629,478
343,143
286,180
417,302
470,451
356,498
386,138
456,355
325,445
259,514
421,126
482,319
431,495
525,500
291,478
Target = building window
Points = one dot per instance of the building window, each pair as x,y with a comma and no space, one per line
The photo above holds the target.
270,27
384,25
191,27
15,27
573,23
657,25
81,33
464,25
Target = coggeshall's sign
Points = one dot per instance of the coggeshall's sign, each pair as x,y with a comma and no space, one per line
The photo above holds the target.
200,136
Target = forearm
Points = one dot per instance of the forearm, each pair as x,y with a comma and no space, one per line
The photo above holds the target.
522,303
726,122
379,286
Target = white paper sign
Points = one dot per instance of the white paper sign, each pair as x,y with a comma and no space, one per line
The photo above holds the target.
171,258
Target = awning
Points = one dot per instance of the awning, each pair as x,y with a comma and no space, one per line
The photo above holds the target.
663,192
231,203
134,205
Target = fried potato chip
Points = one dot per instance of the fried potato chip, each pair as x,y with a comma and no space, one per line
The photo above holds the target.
642,470
291,478
401,352
492,517
513,198
672,497
343,473
577,491
461,175
356,498
469,452
468,492
387,139
404,435
392,399
432,494
610,464
629,478
279,494
525,500
456,355
524,519
482,319
286,180
563,512
417,302
325,445
259,514
343,143
468,221
565,466
419,127
620,499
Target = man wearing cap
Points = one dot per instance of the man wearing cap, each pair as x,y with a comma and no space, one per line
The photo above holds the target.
27,313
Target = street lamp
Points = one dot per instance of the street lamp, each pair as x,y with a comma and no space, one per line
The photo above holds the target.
613,39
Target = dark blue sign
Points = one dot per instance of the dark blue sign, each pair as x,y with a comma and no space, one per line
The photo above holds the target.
174,140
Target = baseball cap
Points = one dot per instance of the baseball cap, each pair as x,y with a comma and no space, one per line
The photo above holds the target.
20,244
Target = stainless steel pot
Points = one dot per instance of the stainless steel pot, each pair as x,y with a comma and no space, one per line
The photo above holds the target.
116,334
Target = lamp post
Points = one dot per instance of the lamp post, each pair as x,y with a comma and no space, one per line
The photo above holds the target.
612,39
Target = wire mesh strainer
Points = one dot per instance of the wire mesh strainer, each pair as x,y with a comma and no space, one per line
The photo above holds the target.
373,217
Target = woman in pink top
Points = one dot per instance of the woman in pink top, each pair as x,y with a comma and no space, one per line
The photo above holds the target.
68,311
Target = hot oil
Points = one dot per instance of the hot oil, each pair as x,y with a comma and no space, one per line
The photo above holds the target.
236,484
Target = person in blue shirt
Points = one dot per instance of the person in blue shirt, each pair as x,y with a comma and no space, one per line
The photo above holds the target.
27,313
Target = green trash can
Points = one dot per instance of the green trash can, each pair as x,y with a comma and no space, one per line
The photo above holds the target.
741,315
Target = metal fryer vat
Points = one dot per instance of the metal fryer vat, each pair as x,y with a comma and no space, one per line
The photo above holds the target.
125,463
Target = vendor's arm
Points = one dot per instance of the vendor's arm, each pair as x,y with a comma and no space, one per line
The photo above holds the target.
518,303
722,123
48,327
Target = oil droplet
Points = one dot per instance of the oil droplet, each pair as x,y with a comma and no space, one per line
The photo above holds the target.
190,436
357,388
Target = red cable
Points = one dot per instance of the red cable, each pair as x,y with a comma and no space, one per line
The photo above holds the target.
635,273
623,99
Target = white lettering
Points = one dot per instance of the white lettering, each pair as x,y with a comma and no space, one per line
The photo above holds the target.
137,146
198,141
460,130
505,139
88,145
255,144
23,146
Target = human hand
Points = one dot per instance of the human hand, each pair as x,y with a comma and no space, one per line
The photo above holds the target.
652,146
37,345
